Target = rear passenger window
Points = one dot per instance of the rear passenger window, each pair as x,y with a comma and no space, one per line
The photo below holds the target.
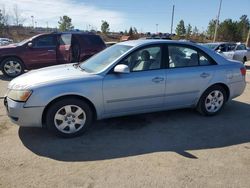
93,40
180,56
204,61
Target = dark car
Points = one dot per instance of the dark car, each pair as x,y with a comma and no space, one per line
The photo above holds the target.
48,49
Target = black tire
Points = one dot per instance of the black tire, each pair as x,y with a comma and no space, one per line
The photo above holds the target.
19,67
204,99
244,60
58,107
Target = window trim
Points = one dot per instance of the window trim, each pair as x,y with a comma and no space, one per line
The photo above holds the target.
199,51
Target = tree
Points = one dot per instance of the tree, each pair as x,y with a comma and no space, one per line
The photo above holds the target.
135,31
17,16
243,27
195,31
188,31
4,17
65,23
211,28
130,32
1,20
105,27
180,29
228,31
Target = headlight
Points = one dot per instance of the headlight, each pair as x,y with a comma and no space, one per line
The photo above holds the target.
19,95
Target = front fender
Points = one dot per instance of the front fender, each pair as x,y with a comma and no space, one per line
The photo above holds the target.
92,91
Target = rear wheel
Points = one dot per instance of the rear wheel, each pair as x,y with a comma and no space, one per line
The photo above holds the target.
212,100
244,60
69,117
12,67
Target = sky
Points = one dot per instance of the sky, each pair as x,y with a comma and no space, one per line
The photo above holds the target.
145,15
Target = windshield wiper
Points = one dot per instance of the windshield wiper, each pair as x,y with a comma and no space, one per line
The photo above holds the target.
77,65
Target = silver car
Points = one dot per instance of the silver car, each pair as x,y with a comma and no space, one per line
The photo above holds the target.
235,51
128,78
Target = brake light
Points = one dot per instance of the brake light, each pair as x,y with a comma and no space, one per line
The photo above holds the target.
243,71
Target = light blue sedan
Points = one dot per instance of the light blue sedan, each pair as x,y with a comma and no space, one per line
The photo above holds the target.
128,78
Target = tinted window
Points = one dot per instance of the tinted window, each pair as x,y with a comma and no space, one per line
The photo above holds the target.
241,47
231,47
223,48
45,41
144,59
93,40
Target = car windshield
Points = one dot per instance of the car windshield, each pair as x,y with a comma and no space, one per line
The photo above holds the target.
210,46
104,59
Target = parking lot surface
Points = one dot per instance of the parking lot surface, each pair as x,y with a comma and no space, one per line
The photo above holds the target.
177,148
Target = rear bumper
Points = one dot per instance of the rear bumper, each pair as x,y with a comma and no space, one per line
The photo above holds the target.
23,116
237,88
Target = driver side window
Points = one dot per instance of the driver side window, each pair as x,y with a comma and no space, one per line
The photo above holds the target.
45,41
144,59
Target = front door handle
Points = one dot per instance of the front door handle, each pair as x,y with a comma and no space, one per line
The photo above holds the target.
157,79
51,50
204,75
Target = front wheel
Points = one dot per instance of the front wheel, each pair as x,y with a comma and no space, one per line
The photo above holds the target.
212,100
12,67
69,117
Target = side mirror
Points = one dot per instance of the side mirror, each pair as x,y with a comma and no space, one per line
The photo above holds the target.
121,69
30,45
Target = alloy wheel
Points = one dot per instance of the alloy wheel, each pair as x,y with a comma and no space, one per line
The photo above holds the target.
12,68
70,119
214,101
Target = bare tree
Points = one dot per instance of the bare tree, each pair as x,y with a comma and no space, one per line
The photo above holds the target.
5,16
18,19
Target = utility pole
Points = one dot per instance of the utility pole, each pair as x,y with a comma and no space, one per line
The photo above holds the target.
217,22
32,18
172,21
248,39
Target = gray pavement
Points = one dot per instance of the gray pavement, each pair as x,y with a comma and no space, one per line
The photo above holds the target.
177,148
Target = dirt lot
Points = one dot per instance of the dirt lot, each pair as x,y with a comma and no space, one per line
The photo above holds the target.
167,149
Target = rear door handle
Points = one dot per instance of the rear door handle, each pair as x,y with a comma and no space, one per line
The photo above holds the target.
157,79
204,75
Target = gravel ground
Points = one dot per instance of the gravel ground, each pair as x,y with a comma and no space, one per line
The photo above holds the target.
167,149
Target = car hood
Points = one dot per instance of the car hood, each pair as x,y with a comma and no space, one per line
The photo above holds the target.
10,46
49,75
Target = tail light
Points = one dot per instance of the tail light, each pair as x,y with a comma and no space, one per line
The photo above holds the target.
243,71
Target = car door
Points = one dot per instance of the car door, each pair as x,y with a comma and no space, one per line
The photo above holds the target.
230,50
142,89
42,52
188,74
240,52
64,48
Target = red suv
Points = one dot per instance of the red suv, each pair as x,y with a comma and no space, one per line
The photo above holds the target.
48,49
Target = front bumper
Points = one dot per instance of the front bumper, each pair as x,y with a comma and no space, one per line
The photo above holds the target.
23,116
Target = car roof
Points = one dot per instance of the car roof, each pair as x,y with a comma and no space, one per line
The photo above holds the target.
74,32
155,41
